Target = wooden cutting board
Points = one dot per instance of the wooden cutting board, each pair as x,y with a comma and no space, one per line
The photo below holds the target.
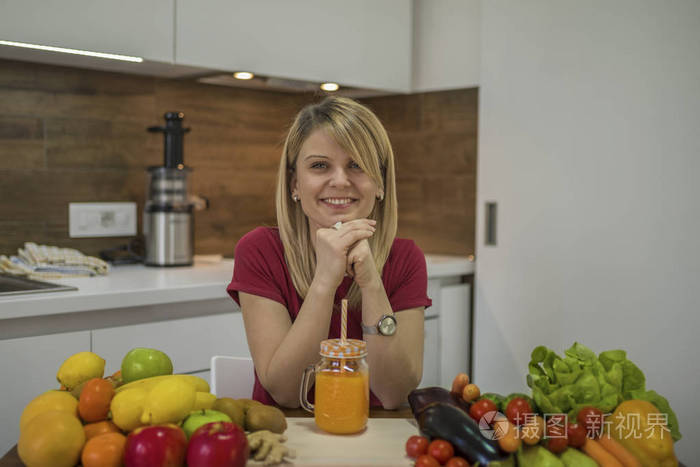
382,443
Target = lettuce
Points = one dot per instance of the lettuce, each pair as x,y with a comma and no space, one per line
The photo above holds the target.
580,378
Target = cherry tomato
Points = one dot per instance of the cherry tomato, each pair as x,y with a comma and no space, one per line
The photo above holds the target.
416,446
576,434
532,431
471,392
441,450
481,407
509,439
556,445
457,462
592,420
426,461
516,410
461,380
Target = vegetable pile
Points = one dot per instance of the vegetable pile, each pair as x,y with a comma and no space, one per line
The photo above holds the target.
579,379
585,410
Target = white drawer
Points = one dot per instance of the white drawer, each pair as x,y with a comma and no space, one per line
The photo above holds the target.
190,343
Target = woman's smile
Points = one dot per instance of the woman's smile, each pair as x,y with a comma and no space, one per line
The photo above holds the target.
338,203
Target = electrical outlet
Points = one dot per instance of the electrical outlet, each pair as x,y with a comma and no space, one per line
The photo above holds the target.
101,219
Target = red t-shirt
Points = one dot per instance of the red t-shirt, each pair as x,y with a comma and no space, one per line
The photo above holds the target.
260,269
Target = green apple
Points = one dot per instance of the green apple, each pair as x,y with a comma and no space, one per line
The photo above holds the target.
197,418
142,363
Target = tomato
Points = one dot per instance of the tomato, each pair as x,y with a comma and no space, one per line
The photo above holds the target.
532,431
441,450
457,462
95,398
576,434
555,433
426,461
105,450
461,380
471,392
481,407
592,420
556,445
516,410
416,446
509,440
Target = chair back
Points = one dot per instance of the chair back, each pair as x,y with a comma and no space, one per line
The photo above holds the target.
232,377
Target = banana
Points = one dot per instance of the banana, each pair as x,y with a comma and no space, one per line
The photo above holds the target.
199,384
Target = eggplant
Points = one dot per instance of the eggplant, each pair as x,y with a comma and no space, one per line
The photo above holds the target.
420,399
445,421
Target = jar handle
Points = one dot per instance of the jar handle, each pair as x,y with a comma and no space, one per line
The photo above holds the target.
304,390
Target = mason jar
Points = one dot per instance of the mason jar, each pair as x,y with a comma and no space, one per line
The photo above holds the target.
341,394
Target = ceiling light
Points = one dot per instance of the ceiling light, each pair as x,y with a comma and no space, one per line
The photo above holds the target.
330,87
126,58
243,75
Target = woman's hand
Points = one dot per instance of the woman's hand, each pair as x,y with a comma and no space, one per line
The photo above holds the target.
361,266
333,247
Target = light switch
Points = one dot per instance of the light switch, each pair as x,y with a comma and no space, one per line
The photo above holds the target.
102,219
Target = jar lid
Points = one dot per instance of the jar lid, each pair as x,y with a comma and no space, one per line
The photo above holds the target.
336,348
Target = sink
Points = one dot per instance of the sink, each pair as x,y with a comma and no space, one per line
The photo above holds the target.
16,285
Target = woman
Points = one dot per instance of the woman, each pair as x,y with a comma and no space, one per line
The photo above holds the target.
336,215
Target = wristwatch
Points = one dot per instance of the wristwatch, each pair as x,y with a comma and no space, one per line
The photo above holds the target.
386,326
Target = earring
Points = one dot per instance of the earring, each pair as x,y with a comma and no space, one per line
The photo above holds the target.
380,196
295,198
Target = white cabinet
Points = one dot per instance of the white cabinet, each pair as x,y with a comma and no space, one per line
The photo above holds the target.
129,27
447,331
362,43
28,367
190,343
446,44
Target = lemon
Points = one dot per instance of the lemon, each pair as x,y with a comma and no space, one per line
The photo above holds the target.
50,400
53,438
127,408
168,402
79,368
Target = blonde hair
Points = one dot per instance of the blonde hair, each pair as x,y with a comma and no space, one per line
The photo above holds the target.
359,133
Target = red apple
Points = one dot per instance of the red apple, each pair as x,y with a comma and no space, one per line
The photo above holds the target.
156,446
218,443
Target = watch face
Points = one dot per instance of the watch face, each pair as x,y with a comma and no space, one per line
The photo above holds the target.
387,326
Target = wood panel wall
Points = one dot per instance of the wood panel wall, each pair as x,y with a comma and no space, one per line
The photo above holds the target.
74,135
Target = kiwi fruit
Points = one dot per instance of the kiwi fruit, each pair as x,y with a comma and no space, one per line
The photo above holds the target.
235,409
265,417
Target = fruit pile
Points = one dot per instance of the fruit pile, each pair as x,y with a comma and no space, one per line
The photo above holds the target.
585,410
143,415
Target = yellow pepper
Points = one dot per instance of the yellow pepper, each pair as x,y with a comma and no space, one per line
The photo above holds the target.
639,427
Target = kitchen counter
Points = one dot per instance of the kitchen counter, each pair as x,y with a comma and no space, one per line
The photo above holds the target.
138,285
381,444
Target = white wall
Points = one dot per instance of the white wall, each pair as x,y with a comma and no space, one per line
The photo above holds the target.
588,140
446,44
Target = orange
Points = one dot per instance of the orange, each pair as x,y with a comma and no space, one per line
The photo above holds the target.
53,438
100,428
50,400
95,398
105,450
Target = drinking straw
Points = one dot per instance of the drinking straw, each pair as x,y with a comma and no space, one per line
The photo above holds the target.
344,320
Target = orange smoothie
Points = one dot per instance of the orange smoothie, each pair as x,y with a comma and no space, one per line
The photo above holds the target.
342,401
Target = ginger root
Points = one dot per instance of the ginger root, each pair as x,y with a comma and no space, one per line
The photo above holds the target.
267,446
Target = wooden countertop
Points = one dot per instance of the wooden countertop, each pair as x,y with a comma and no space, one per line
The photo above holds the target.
11,458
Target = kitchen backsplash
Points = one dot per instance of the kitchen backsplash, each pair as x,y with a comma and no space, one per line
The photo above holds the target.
74,135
